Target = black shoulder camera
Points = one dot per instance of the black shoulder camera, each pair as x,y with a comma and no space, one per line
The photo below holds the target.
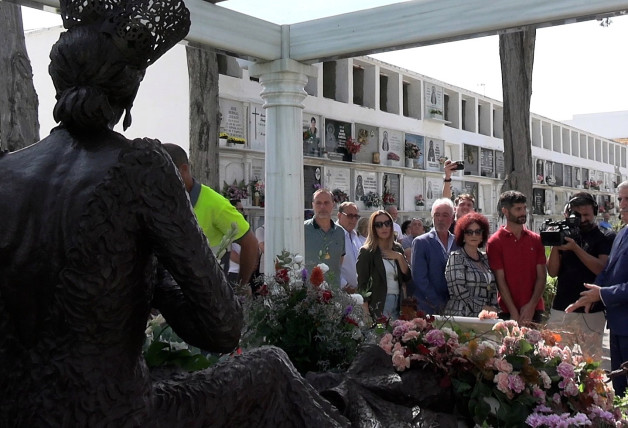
553,233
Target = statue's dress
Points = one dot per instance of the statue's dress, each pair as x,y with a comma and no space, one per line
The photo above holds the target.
83,221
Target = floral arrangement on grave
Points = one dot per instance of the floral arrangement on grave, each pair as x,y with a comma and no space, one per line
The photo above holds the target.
435,111
235,140
389,198
223,135
412,150
339,196
540,178
442,159
393,156
319,327
372,199
317,186
419,201
352,146
235,190
257,190
516,377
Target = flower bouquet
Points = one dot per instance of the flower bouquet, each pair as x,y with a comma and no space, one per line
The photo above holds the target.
235,190
389,198
339,196
522,378
352,146
372,199
412,150
319,327
257,190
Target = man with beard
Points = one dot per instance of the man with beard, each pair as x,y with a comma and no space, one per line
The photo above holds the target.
575,263
517,257
612,291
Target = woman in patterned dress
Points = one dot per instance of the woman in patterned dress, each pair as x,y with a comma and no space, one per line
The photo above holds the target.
470,281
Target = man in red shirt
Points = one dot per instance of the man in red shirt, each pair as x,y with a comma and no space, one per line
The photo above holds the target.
517,258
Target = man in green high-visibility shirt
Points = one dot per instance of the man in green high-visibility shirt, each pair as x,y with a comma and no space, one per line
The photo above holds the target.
215,214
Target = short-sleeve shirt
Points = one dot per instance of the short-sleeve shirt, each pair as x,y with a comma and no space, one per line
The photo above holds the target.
573,274
324,247
518,258
215,214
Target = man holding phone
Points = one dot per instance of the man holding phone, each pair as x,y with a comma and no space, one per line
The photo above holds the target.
464,203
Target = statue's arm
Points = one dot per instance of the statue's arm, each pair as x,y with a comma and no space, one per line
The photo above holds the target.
197,302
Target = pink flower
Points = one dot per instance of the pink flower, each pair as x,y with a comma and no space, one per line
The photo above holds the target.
501,379
547,382
410,335
435,337
419,323
386,343
566,370
538,393
400,362
515,383
487,315
532,336
570,388
502,366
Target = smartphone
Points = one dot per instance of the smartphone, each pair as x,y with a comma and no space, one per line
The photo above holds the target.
459,165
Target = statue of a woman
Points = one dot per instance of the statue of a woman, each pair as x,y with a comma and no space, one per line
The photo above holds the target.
86,216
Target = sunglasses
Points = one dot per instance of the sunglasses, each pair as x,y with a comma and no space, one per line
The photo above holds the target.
352,216
380,224
470,232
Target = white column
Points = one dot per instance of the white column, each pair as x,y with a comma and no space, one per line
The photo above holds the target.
283,93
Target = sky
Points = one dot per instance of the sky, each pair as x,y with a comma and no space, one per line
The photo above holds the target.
578,68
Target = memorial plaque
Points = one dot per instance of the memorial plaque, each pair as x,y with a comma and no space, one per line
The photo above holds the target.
312,180
257,126
392,147
558,174
487,163
232,118
435,150
365,182
391,185
538,203
471,160
311,135
500,167
338,178
368,137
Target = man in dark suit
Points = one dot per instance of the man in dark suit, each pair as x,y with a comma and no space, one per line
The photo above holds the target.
612,290
430,252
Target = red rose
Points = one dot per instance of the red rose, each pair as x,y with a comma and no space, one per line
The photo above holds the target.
326,296
282,276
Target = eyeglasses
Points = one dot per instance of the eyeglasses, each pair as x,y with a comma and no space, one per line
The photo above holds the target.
380,224
470,232
352,216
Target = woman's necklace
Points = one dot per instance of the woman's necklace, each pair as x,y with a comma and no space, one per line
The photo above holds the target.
394,266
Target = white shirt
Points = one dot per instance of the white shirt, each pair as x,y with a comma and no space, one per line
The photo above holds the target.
397,228
348,273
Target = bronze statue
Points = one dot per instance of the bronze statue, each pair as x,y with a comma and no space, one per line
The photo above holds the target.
85,216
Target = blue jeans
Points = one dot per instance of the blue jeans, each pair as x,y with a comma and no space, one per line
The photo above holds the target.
619,354
391,306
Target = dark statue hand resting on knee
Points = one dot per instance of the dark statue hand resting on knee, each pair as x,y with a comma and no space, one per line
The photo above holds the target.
85,216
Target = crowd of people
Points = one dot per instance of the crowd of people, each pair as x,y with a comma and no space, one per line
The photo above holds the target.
459,268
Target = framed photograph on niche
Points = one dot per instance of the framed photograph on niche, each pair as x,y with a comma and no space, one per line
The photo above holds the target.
471,160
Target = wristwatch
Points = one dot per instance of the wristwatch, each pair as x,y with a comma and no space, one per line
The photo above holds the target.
447,180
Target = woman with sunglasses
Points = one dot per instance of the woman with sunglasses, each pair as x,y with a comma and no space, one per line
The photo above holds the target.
470,281
382,268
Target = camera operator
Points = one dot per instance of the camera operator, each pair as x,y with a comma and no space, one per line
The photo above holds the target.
577,262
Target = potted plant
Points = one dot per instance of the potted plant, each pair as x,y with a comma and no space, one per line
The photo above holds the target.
436,113
232,141
257,190
352,147
222,139
389,198
411,152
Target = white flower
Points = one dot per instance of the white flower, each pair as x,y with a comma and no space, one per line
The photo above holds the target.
298,259
359,300
323,267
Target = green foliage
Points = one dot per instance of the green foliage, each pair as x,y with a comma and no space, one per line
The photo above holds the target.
164,348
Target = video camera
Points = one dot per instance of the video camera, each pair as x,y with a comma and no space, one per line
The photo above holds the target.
553,233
